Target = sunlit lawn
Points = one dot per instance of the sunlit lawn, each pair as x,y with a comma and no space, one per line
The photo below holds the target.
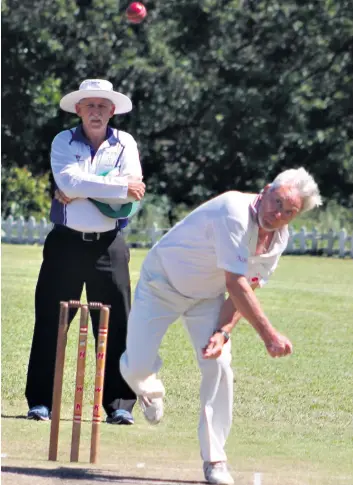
292,414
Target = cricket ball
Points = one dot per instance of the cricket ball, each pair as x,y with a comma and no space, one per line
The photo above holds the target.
136,12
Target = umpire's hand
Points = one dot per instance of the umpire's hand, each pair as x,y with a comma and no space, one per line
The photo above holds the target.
136,188
61,197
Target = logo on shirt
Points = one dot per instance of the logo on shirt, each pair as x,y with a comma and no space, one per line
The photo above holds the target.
109,162
254,279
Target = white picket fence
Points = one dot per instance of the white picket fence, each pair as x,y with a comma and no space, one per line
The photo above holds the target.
332,243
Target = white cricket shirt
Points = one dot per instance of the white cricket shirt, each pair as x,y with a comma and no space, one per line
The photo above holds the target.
219,235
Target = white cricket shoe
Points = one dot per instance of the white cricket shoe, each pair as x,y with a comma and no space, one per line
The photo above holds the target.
152,408
217,473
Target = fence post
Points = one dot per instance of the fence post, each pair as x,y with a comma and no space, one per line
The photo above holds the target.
330,241
43,230
154,233
290,245
20,226
302,237
31,229
8,223
342,243
314,240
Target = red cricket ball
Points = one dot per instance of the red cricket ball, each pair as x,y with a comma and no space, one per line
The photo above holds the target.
136,12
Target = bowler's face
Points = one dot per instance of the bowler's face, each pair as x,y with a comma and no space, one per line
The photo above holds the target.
95,112
278,207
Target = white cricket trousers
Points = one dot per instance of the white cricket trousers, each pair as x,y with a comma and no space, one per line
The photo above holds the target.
156,306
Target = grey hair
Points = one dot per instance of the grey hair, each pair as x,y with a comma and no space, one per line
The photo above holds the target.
304,183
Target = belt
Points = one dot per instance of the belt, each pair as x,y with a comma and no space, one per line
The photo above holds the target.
86,236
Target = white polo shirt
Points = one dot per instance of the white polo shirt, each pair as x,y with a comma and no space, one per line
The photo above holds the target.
219,235
77,168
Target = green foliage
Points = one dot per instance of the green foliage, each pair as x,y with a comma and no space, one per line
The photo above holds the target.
225,94
333,216
159,210
24,194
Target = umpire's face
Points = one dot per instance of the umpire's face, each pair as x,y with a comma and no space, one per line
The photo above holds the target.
95,112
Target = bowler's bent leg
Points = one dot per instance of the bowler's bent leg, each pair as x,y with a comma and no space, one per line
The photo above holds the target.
216,391
154,308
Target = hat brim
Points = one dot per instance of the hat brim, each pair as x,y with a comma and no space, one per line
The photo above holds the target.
126,210
122,103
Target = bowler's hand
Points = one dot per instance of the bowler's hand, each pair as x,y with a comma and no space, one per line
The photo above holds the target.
214,347
278,345
61,197
136,189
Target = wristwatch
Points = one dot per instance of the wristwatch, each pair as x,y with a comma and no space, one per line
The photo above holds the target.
225,334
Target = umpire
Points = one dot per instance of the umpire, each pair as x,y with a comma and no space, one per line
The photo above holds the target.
98,179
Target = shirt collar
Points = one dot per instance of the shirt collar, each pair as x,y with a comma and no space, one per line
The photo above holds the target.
254,207
78,135
280,234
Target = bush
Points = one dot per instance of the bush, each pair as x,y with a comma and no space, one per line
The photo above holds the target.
23,194
332,216
159,210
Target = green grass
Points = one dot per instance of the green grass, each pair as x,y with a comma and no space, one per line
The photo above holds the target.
292,416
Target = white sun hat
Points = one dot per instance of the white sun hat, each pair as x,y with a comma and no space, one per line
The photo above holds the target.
96,88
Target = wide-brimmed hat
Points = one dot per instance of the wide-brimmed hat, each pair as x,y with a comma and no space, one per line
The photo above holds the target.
96,88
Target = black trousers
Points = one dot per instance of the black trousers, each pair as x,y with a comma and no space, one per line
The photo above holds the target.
68,264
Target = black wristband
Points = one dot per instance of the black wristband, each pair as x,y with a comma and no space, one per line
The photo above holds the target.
225,334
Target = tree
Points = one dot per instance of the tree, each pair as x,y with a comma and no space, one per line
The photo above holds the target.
225,93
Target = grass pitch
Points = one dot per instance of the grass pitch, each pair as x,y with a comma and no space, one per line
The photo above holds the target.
292,417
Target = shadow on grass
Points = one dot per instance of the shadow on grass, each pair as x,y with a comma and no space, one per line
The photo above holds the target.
20,416
24,416
88,474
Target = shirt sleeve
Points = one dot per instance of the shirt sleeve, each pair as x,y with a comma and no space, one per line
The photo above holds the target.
129,166
74,182
130,160
231,245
